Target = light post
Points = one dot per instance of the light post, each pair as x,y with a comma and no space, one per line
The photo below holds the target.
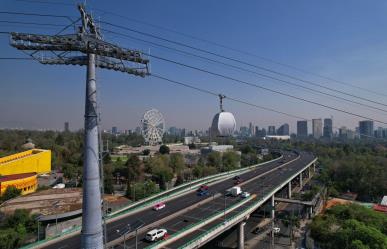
55,205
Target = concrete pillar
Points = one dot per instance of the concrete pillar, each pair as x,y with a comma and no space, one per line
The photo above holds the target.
314,168
301,180
310,212
241,235
272,207
290,189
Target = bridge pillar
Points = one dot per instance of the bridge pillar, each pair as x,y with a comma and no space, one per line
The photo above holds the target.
314,167
241,235
272,207
300,179
310,212
290,189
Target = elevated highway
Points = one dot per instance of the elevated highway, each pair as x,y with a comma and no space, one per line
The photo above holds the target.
187,210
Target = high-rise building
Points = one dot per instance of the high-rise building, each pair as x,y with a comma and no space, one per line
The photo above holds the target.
271,130
283,130
302,128
328,128
366,129
317,128
256,133
114,130
66,127
379,132
251,129
343,132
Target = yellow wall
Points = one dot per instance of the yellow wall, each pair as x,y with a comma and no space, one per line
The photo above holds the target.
27,185
35,160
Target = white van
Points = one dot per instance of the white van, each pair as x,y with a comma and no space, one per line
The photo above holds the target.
155,234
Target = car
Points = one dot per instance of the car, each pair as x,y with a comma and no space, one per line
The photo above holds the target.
156,234
237,177
203,192
159,206
276,229
202,188
245,194
238,181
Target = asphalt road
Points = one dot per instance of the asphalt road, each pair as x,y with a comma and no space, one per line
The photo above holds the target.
149,216
259,187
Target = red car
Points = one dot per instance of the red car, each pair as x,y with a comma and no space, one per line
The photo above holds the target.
202,188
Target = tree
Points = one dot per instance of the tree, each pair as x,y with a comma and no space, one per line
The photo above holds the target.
133,165
176,162
164,149
10,192
146,152
230,160
214,159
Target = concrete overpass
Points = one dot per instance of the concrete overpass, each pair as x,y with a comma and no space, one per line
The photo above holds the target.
188,217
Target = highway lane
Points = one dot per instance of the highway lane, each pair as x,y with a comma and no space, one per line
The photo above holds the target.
268,183
149,216
204,211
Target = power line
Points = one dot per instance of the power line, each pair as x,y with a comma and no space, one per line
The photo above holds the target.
227,97
241,62
262,87
241,52
218,45
33,23
35,14
245,70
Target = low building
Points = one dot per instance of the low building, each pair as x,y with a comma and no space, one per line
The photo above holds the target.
31,161
26,182
277,137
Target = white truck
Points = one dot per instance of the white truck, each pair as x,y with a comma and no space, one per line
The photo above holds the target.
235,191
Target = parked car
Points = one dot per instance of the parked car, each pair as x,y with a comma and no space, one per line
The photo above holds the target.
237,177
156,234
276,229
245,194
159,206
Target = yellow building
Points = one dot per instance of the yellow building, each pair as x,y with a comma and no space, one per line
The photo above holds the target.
26,182
30,161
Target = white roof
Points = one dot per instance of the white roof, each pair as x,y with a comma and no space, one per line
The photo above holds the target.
384,201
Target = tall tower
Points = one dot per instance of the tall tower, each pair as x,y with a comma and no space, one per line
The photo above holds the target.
92,52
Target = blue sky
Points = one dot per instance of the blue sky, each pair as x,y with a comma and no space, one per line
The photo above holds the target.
345,40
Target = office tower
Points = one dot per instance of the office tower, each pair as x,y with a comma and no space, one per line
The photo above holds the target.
256,133
114,130
271,130
328,128
302,128
283,130
366,129
317,128
66,127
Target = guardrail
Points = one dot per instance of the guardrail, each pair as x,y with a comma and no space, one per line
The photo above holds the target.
148,201
201,223
215,230
190,184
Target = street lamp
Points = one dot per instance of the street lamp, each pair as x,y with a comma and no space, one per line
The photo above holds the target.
55,205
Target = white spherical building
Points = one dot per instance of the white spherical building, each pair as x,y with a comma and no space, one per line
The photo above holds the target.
223,124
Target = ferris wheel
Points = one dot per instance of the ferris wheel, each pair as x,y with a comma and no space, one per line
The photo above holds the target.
152,127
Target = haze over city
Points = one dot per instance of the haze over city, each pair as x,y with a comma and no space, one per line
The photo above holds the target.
343,40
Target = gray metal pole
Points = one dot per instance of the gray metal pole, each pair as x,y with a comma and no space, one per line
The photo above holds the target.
91,236
136,238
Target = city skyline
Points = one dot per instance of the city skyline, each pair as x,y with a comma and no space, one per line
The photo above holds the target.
121,96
